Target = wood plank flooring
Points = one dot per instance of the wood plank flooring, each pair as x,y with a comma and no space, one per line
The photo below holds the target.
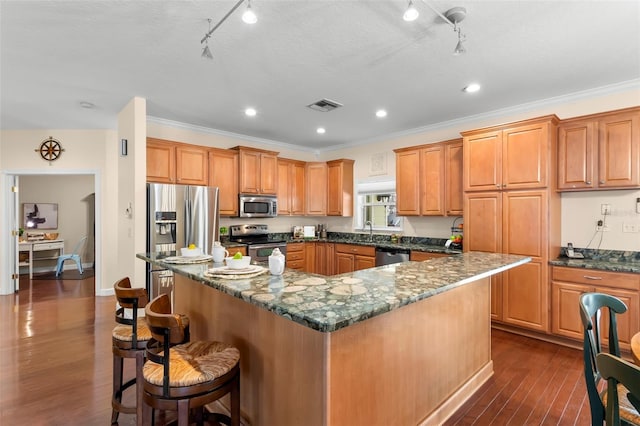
56,366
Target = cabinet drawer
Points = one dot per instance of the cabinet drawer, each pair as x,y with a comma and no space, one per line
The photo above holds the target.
295,264
295,247
295,255
597,278
356,249
48,246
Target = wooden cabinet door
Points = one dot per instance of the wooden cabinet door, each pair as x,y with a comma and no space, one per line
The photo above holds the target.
249,172
363,262
284,187
496,297
330,259
408,183
453,172
297,188
316,200
432,176
565,313
576,153
192,165
340,188
525,296
310,257
344,263
161,161
268,174
321,258
524,223
483,222
223,173
619,150
629,322
525,153
483,161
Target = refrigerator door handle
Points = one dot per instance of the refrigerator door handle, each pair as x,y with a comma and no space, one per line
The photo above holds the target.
187,222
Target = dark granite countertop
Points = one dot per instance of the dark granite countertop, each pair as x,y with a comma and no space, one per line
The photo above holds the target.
329,303
613,265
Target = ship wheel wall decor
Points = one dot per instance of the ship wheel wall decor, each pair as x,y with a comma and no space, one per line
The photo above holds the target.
50,149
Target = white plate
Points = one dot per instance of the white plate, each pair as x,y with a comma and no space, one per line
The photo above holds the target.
225,270
187,259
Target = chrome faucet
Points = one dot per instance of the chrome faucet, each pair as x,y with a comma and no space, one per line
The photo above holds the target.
370,229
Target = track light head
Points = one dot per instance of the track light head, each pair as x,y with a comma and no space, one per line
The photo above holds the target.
206,52
249,17
411,14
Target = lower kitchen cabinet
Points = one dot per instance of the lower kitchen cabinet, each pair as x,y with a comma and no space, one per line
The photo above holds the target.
310,257
569,283
295,256
234,250
351,257
325,258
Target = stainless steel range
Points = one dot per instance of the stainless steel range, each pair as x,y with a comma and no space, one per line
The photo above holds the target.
256,237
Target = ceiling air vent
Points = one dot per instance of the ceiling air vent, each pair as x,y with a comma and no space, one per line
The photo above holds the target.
324,105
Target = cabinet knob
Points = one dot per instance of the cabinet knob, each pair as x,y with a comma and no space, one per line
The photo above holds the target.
591,277
498,186
601,182
504,186
588,182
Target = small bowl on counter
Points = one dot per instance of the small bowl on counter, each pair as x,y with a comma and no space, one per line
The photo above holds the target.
187,252
237,263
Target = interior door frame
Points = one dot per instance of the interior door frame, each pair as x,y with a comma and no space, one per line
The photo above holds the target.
10,201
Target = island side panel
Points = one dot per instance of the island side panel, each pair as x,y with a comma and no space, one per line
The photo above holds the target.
282,363
403,367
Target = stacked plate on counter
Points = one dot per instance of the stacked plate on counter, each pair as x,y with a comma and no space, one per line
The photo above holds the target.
235,274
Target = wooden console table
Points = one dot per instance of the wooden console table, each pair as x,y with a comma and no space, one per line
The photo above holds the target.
36,246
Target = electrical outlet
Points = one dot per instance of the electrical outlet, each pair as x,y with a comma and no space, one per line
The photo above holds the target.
605,209
629,227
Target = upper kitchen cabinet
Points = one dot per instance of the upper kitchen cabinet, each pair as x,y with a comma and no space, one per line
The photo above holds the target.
173,162
291,187
258,171
316,189
514,156
223,173
340,187
600,151
429,179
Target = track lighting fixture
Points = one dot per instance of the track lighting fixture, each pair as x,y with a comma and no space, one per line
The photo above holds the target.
455,16
411,14
249,17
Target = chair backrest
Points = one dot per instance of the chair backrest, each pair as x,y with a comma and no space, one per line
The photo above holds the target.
592,307
79,245
616,370
167,330
129,298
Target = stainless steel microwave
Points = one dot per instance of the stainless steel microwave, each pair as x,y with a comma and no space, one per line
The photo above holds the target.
258,205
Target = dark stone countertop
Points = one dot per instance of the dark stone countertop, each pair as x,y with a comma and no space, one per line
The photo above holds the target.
329,303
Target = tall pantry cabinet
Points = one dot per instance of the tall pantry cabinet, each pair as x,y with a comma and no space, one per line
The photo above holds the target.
511,206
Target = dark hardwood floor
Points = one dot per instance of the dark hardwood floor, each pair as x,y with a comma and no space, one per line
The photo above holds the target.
56,366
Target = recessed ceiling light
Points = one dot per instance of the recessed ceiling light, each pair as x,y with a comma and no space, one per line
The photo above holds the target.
251,112
87,105
321,130
381,113
473,87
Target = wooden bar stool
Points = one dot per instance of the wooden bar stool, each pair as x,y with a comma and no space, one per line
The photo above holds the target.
129,339
184,377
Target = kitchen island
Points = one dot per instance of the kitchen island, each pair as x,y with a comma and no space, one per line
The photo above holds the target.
402,344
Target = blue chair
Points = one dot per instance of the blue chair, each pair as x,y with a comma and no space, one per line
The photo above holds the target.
75,256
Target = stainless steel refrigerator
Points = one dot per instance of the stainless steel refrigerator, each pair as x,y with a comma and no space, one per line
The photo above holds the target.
178,215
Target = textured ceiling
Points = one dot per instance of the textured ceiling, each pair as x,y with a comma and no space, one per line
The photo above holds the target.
56,54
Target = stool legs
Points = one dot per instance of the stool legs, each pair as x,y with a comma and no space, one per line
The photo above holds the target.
116,398
119,387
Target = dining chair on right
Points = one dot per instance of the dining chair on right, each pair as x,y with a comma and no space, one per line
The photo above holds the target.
592,308
623,384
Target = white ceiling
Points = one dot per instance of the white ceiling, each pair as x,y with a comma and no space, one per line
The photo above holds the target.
56,54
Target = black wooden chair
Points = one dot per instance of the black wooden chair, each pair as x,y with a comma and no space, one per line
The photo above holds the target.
184,377
129,340
623,384
592,307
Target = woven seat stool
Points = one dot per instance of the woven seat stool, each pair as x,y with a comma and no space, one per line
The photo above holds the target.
129,340
184,377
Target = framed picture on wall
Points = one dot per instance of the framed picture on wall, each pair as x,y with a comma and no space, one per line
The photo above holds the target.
40,215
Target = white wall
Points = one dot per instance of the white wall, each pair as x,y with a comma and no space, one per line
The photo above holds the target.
91,152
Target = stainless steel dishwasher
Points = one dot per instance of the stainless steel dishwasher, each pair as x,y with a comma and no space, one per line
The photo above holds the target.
387,255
